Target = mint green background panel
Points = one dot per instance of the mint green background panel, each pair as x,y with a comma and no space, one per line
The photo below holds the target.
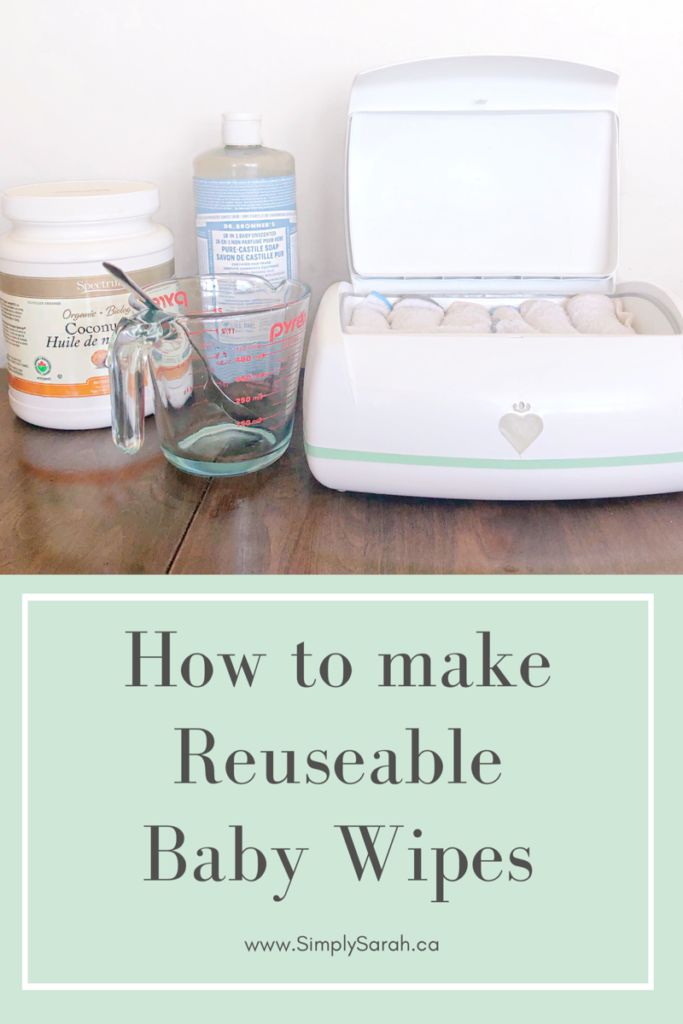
103,760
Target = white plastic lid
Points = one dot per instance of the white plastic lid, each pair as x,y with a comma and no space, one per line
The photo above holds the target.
241,129
80,201
482,167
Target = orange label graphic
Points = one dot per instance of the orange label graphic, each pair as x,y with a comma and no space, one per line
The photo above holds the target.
93,386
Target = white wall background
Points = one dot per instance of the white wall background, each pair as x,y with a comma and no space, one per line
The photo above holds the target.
134,88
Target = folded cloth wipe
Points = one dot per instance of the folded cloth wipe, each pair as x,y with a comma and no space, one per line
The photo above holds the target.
598,314
372,313
508,320
467,318
415,314
547,317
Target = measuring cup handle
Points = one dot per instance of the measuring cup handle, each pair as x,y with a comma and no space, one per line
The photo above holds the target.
127,362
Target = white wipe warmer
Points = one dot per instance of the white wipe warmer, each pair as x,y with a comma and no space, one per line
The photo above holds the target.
491,179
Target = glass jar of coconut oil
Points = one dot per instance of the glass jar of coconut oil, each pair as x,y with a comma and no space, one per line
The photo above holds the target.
59,307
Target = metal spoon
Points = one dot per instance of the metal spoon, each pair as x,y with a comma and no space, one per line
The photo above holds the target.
122,276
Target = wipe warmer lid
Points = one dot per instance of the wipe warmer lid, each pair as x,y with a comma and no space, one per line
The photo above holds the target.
469,168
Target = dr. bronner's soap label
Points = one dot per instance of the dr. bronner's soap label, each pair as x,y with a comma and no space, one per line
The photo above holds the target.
247,226
57,330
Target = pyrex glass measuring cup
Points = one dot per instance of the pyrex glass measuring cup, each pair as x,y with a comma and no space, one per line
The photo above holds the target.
223,354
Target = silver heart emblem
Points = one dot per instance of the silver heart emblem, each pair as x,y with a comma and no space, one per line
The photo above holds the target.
520,430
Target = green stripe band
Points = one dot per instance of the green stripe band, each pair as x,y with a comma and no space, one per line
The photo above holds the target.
392,458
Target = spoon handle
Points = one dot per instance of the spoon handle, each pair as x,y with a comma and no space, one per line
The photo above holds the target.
122,276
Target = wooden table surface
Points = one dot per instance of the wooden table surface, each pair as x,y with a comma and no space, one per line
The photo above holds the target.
71,503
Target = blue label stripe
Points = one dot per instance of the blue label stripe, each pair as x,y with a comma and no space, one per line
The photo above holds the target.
221,195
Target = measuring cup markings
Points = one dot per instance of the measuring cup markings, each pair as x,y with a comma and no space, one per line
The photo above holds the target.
246,399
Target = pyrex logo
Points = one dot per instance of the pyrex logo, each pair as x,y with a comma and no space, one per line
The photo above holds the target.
171,299
284,327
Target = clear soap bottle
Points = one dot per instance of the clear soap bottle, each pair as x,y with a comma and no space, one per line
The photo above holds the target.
245,205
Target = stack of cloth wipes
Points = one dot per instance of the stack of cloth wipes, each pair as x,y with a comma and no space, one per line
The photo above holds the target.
581,314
